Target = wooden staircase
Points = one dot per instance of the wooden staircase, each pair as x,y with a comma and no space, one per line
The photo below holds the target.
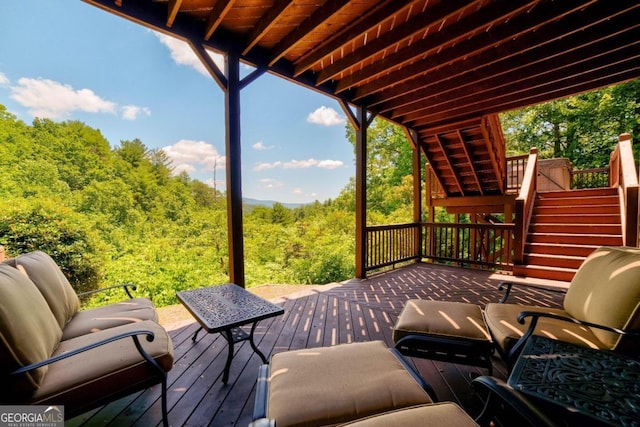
565,227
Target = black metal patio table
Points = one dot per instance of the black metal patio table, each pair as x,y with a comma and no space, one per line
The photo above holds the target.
595,387
224,309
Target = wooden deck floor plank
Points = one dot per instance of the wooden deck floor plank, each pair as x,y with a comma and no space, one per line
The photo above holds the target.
356,310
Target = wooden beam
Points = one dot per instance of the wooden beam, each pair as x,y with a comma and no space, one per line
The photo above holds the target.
311,23
361,192
480,43
369,22
447,159
172,11
266,23
465,150
508,57
234,172
216,16
215,72
416,27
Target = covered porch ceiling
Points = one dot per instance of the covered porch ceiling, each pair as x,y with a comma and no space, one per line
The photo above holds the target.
423,64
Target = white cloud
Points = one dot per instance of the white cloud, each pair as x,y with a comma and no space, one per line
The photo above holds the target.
49,99
266,166
297,191
131,112
4,80
300,164
269,183
182,54
260,146
187,155
325,116
330,164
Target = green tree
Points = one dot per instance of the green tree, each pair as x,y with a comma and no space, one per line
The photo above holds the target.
582,128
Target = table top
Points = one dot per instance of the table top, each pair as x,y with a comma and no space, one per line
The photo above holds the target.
226,306
599,384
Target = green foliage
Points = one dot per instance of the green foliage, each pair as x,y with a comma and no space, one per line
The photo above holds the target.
582,128
58,231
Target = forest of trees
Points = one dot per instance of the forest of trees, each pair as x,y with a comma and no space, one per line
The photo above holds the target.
115,214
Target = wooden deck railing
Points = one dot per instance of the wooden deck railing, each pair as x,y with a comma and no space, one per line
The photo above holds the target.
623,175
471,245
516,166
474,245
590,178
524,205
391,244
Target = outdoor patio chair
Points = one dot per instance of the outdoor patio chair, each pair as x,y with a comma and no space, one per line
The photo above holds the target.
367,384
601,309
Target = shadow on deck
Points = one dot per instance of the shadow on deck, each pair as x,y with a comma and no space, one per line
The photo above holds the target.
356,310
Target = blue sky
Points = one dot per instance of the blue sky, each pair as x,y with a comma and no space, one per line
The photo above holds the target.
67,60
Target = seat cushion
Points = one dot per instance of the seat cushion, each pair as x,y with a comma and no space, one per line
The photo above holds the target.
97,319
29,332
105,371
331,385
433,415
606,291
51,282
505,329
441,318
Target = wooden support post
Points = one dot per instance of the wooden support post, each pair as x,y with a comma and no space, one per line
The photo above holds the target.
361,192
234,171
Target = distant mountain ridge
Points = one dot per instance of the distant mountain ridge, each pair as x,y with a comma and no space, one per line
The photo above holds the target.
269,203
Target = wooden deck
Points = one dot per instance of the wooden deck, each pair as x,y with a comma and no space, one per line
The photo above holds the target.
358,310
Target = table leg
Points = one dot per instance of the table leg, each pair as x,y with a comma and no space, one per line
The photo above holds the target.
195,335
227,333
253,345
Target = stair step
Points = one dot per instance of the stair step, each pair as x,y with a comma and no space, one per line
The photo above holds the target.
575,239
614,229
582,218
603,191
560,249
541,272
564,261
581,201
572,210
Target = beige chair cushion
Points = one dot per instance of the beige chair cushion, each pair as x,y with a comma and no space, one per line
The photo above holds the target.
331,385
503,324
441,318
127,311
104,371
52,283
29,332
606,291
445,414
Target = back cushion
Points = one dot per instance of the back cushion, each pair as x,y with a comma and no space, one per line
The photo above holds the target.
52,283
29,332
606,291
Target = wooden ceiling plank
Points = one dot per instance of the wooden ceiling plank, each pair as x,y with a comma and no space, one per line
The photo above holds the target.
321,15
569,86
472,166
216,16
266,23
416,26
544,70
489,93
368,22
447,159
502,60
484,41
173,9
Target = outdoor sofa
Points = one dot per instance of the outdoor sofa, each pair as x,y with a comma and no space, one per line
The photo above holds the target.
53,353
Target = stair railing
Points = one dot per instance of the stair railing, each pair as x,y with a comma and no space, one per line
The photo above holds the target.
524,205
623,175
